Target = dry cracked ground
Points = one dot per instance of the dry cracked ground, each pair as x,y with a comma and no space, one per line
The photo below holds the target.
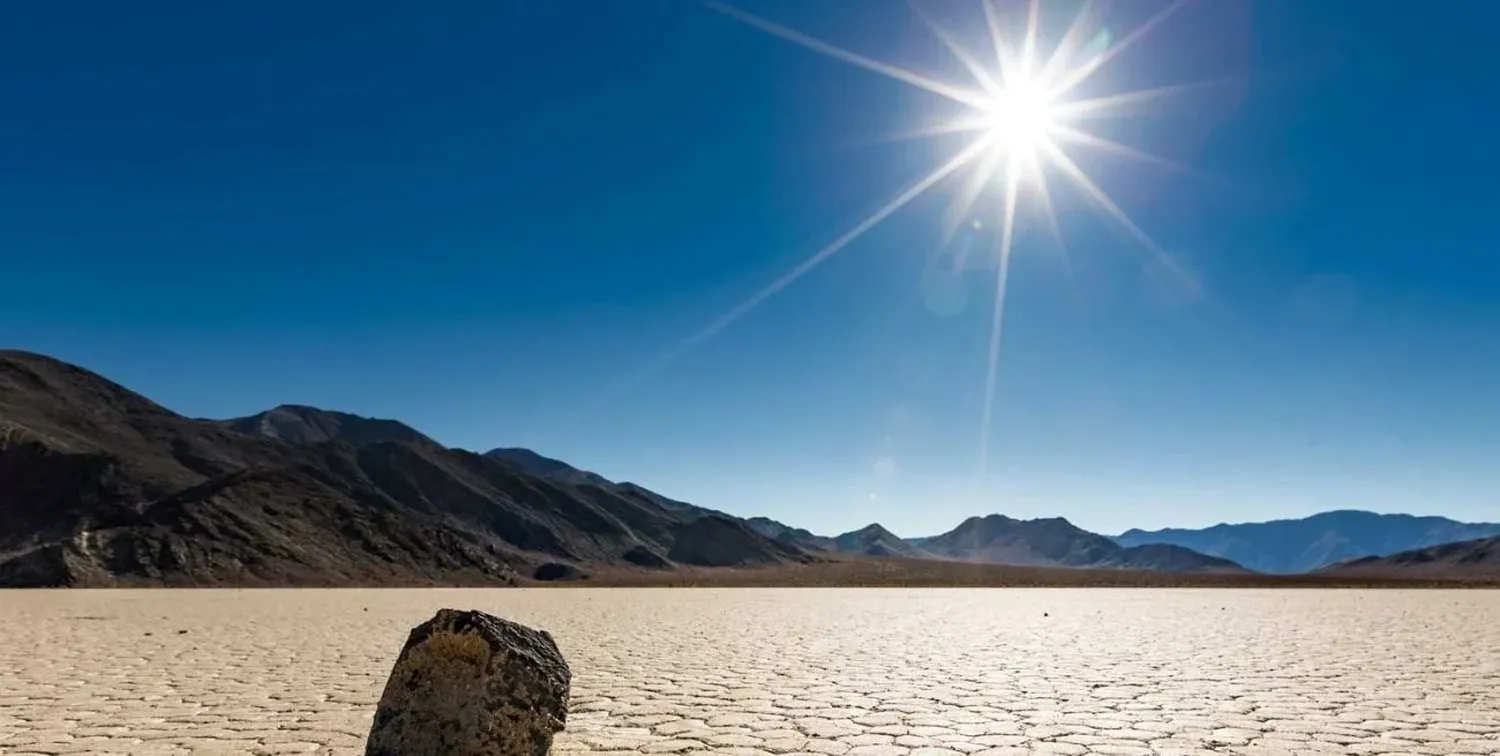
746,672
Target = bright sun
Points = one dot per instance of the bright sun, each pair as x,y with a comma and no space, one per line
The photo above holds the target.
1024,111
1019,121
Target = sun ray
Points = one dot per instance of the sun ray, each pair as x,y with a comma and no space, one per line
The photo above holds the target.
1054,228
956,94
1111,105
981,76
1099,196
959,211
1082,73
1028,40
1068,133
817,258
997,318
997,37
1065,50
1022,112
955,126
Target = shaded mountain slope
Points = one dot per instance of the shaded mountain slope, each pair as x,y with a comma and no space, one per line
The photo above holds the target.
1055,542
1292,546
1477,559
100,485
529,461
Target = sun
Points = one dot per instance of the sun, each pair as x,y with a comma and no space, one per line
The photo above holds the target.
1019,121
1024,112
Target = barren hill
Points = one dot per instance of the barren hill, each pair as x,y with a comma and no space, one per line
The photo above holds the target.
99,485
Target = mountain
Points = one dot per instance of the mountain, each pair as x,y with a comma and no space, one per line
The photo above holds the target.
787,534
1475,559
528,461
547,467
1293,546
309,425
101,486
874,540
1055,542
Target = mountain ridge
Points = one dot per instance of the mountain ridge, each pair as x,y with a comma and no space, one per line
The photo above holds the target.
98,481
874,540
100,485
1054,541
1474,559
1297,545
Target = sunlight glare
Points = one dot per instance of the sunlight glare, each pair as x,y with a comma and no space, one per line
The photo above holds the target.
1022,115
1020,119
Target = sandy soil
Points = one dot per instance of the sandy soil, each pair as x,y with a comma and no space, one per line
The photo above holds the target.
749,672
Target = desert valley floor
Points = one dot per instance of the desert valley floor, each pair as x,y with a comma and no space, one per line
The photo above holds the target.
747,672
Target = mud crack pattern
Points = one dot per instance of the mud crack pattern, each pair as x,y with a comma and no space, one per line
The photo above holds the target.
748,672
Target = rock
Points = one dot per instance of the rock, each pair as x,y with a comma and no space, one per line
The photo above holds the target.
472,684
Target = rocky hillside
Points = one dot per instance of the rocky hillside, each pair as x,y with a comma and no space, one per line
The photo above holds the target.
1478,559
99,486
1055,542
528,461
1308,543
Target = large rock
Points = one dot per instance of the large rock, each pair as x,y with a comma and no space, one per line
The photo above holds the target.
472,684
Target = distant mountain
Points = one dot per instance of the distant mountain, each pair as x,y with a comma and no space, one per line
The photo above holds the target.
101,486
1293,546
1055,542
788,534
874,540
1477,559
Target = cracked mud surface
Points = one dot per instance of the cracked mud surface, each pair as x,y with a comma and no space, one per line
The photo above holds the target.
749,672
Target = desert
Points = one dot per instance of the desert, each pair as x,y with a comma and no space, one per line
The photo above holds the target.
750,672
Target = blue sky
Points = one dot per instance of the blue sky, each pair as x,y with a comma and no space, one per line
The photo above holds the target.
483,218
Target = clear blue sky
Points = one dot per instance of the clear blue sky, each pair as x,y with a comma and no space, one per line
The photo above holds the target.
476,217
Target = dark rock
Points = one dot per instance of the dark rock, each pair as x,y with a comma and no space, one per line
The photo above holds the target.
56,565
469,683
556,571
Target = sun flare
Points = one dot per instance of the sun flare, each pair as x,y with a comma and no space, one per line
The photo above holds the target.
1019,121
1025,114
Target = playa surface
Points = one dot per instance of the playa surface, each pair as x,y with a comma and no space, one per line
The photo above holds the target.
749,672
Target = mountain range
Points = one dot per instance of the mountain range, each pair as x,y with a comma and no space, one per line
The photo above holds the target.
1474,559
996,539
102,486
1310,543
